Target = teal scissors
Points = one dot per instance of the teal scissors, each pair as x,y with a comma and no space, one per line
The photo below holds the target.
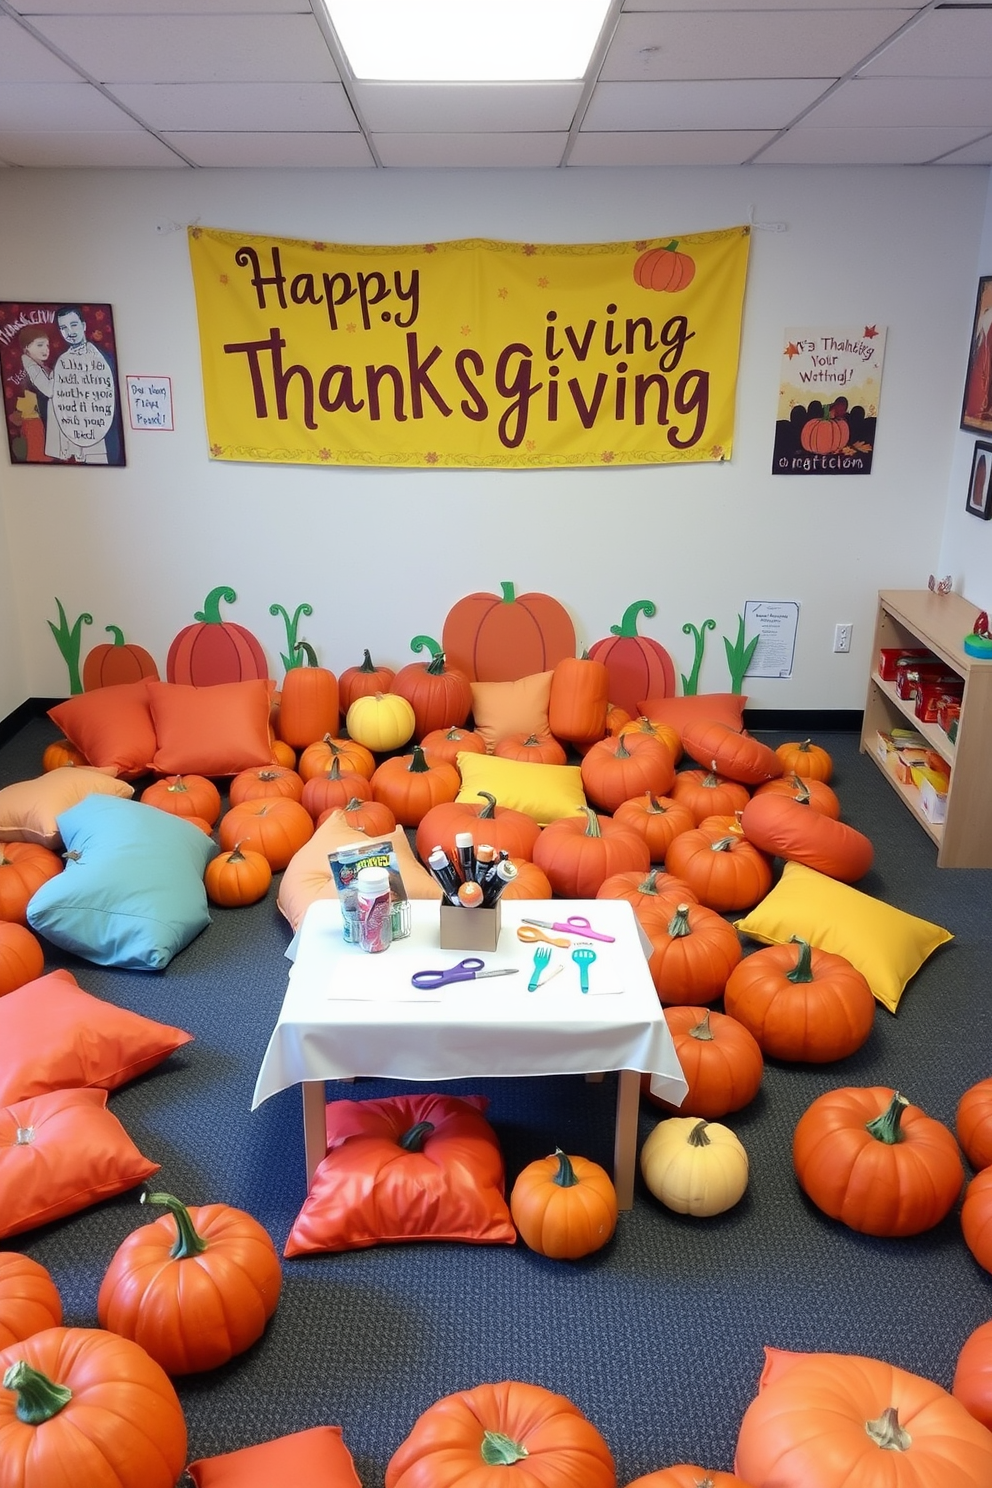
463,971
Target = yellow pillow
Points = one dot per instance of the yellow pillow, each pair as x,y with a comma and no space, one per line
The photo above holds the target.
521,707
544,792
886,944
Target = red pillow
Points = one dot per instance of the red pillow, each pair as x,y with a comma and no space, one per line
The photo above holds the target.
317,1458
369,1188
218,730
55,1036
719,707
112,726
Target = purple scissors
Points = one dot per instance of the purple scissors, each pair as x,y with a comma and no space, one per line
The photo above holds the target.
574,925
463,971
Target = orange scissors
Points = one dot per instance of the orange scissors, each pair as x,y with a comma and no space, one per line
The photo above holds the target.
531,933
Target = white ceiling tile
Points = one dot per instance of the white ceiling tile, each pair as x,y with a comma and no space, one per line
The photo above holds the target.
672,147
83,151
476,150
252,107
277,151
632,6
439,108
888,103
59,108
710,105
25,60
945,43
977,153
194,49
911,146
32,8
759,44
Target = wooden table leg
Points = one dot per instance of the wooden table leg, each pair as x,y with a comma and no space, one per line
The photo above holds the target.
625,1141
314,1125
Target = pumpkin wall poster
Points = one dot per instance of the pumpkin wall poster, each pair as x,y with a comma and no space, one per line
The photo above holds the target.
470,354
828,400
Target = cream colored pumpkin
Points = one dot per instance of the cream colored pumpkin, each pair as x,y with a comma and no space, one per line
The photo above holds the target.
383,721
694,1166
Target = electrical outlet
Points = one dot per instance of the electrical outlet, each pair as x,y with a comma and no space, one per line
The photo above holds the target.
842,637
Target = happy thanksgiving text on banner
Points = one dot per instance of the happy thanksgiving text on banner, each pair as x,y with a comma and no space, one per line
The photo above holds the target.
471,353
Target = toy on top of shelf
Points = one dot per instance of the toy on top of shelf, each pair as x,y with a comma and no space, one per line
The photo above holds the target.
979,642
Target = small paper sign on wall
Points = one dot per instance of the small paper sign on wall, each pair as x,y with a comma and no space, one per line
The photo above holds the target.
828,396
149,402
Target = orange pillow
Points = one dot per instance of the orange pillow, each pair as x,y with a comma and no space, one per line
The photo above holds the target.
369,1189
218,730
703,707
62,1152
29,808
308,874
521,707
317,1458
55,1036
112,726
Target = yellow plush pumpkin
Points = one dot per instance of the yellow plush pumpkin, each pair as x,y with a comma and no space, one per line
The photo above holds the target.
383,721
694,1166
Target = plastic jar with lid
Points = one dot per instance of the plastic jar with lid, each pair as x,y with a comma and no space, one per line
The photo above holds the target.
374,910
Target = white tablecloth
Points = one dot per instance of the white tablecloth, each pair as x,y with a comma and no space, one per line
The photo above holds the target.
347,1013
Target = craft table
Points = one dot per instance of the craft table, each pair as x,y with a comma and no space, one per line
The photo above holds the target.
348,1014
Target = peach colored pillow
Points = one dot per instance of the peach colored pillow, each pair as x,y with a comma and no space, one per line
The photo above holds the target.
521,707
719,707
29,808
308,874
112,726
218,730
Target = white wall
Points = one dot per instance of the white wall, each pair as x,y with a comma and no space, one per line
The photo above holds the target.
382,555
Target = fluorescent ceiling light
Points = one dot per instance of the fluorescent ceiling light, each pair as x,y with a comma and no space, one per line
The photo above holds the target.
467,41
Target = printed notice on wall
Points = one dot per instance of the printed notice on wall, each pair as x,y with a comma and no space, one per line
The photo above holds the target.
828,400
149,402
775,623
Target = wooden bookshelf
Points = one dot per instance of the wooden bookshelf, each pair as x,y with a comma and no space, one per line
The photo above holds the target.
939,622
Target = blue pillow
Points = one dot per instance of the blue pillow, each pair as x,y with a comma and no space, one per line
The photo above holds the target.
131,893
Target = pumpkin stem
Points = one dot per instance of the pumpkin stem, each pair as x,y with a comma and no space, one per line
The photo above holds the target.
499,1450
116,632
565,1176
702,1030
38,1397
886,1128
724,844
178,784
188,1242
489,810
678,925
412,1140
368,665
655,807
355,804
886,1432
418,764
712,780
621,752
426,643
509,593
802,791
236,855
210,614
334,773
697,1137
649,886
628,620
803,969
593,828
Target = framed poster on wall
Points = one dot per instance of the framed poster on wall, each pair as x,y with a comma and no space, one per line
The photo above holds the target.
58,365
976,410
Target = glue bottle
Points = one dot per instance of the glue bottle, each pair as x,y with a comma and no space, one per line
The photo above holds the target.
375,921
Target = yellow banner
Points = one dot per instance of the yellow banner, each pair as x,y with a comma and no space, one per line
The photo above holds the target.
470,354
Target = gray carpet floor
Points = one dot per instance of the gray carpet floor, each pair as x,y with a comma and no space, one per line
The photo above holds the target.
659,1336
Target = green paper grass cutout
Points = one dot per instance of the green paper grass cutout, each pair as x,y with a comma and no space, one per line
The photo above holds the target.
67,638
295,655
690,684
739,656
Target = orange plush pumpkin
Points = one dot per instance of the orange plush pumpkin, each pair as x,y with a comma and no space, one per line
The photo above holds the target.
693,950
214,649
726,871
807,791
658,819
236,878
867,1157
579,701
564,1207
686,1475
578,853
501,827
535,749
275,827
267,780
448,743
974,1124
801,1003
61,754
658,730
370,818
440,695
665,270
730,752
503,637
193,1288
108,665
363,681
530,882
283,754
973,1375
319,757
720,1059
512,1432
21,956
808,760
327,792
638,667
976,1218
309,707
184,795
410,784
24,867
29,1298
639,889
616,770
706,793
787,829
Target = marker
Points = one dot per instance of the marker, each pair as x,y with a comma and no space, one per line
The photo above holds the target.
506,872
485,857
465,851
444,874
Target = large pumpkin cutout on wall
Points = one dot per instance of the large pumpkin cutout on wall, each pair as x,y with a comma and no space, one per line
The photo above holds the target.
639,668
501,638
214,649
119,661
